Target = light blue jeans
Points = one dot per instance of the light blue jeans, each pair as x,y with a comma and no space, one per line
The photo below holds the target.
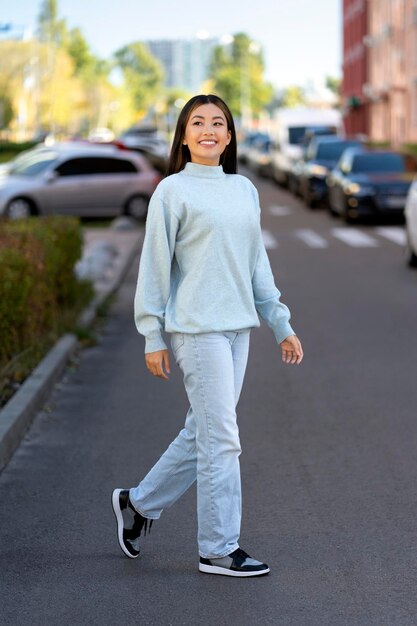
207,449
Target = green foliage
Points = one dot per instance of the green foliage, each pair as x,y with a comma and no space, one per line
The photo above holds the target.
16,148
143,73
292,96
39,293
51,29
79,51
410,147
6,110
237,75
333,84
61,241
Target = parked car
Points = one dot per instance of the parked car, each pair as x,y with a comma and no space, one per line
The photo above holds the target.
370,183
147,141
322,155
411,225
259,156
77,179
292,128
245,144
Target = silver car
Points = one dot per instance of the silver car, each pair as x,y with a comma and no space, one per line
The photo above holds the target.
77,179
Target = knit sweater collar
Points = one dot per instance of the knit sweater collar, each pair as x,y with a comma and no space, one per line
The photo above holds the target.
203,171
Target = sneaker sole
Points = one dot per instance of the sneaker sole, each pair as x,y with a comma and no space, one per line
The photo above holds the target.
119,518
223,571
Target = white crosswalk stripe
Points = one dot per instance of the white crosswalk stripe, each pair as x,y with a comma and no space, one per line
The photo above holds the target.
354,237
396,234
279,211
311,238
269,240
350,236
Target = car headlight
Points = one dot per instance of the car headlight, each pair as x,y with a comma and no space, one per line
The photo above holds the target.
318,170
354,189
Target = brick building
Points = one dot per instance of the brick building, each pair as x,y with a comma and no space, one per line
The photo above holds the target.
355,67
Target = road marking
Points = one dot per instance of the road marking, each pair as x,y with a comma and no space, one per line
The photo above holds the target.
269,240
311,238
279,211
354,237
396,234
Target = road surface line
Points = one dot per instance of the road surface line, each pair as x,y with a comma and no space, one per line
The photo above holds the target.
269,240
311,238
354,237
279,211
396,234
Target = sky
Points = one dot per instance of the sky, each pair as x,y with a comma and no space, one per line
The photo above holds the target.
301,39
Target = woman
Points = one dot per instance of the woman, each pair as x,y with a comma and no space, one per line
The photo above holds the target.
203,277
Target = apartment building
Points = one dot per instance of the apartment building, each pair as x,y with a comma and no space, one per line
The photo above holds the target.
186,62
392,71
355,104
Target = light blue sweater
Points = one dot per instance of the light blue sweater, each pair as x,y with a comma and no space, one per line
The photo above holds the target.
204,267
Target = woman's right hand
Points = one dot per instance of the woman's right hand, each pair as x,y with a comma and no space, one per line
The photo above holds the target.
158,363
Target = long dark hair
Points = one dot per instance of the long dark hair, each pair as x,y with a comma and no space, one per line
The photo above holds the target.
180,154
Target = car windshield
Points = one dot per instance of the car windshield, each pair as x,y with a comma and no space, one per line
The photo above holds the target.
33,164
302,134
386,162
296,134
333,150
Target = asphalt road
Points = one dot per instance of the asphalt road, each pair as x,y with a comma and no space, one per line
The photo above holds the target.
329,459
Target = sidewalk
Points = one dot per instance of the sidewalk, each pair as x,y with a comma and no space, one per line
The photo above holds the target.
107,256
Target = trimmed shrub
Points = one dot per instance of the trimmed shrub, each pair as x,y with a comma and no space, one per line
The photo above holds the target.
40,295
61,241
11,146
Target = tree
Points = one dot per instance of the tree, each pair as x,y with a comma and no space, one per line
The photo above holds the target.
333,84
237,76
51,29
292,96
79,51
143,74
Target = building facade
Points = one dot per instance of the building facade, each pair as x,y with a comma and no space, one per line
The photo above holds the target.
186,62
355,104
392,71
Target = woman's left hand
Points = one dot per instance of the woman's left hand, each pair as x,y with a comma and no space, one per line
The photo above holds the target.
292,352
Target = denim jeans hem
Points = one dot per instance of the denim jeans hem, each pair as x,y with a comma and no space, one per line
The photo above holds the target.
140,512
218,556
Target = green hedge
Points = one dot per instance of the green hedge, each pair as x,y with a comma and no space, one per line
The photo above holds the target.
40,296
11,146
9,150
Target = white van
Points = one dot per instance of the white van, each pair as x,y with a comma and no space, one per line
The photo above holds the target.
290,129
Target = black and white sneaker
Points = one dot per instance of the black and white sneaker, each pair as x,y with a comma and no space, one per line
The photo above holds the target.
238,563
130,523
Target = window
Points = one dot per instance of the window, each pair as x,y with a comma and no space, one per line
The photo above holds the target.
334,149
33,164
386,162
87,166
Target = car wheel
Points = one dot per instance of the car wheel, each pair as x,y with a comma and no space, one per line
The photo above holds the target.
308,198
137,207
410,255
331,210
346,215
19,208
292,185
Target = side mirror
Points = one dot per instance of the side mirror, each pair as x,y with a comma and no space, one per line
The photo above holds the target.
51,176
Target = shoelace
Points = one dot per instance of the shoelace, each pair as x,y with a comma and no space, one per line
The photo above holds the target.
239,556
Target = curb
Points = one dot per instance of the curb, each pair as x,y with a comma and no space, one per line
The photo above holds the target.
19,412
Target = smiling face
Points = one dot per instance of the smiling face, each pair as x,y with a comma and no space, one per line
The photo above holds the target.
206,134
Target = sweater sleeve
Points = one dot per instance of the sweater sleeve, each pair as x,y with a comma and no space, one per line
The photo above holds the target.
153,286
267,296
